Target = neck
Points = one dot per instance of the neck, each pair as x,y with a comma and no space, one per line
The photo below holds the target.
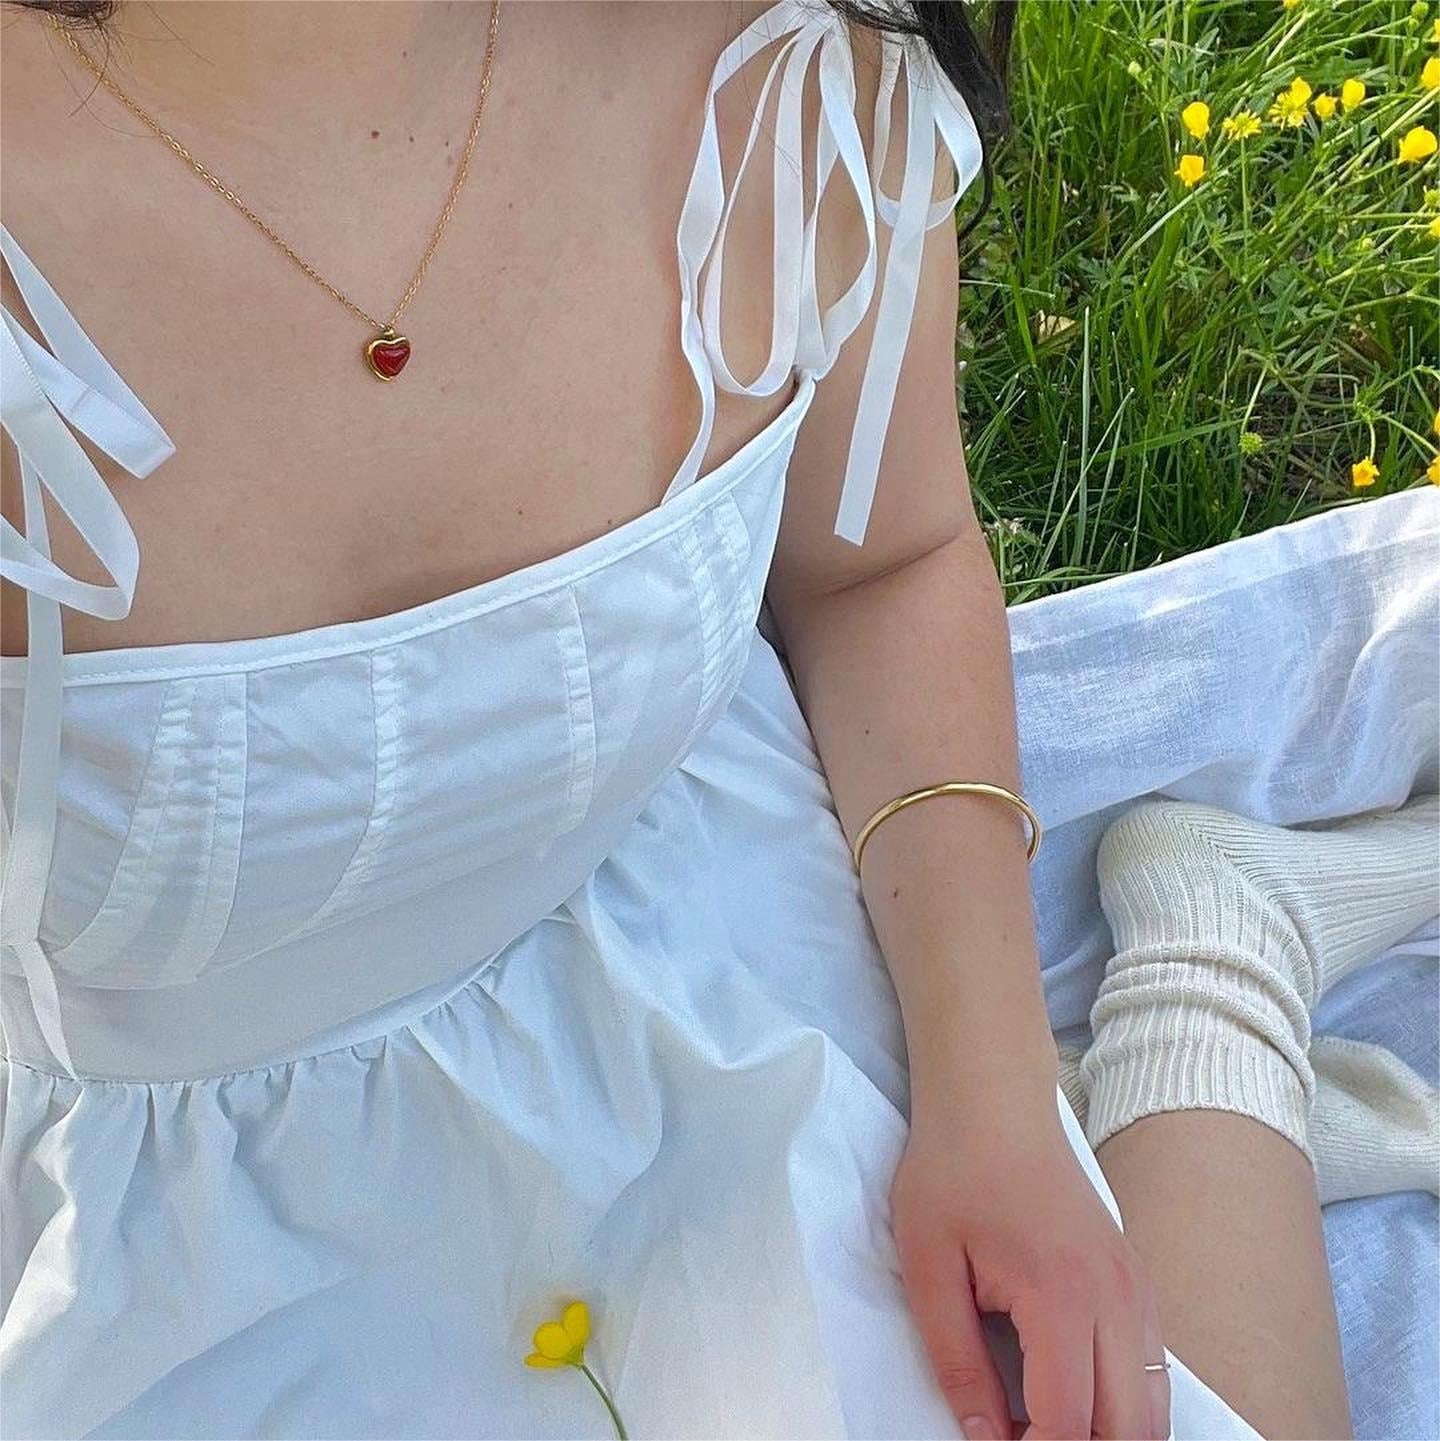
264,68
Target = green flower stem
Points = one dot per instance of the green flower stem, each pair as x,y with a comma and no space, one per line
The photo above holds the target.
1245,196
609,1404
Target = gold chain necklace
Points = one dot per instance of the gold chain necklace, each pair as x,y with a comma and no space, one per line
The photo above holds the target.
387,351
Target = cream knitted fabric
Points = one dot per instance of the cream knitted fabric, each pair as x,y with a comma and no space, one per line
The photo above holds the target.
1227,931
1374,1127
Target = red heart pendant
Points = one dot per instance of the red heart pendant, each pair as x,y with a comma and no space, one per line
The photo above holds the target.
387,353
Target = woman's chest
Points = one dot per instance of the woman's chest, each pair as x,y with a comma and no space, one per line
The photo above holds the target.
545,401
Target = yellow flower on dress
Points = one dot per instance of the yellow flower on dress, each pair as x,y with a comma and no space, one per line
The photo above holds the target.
1292,104
1352,93
1196,118
1191,169
1430,74
562,1343
1432,471
1364,472
1416,145
1240,126
1325,105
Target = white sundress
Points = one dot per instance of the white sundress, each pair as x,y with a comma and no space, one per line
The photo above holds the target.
372,990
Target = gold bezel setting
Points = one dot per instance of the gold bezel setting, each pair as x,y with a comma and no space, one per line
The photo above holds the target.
389,337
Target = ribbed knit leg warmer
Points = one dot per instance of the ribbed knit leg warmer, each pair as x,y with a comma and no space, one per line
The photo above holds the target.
1227,931
1374,1127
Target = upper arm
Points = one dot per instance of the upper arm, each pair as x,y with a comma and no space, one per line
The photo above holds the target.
922,495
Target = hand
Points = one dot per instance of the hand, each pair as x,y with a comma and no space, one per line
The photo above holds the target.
992,1212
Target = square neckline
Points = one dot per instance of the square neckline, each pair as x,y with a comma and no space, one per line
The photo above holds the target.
171,658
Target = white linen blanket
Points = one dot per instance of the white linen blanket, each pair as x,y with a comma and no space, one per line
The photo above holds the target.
1290,676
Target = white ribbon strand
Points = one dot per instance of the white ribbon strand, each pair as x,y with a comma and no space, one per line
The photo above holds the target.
40,390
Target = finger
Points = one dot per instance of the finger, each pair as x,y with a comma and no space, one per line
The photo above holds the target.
1122,1384
939,1290
1158,1381
1058,1339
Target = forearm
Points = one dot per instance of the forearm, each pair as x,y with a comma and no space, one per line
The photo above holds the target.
906,679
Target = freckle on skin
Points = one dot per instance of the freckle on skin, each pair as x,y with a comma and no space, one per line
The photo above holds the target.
895,893
374,134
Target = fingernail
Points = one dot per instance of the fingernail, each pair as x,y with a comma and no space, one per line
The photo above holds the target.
978,1428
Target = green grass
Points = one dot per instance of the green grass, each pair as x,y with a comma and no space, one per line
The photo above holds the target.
1146,369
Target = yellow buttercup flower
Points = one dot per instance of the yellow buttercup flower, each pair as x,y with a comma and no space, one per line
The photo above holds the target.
1364,472
562,1343
1289,4
1352,93
1434,228
1432,471
1292,104
1435,424
1240,126
1191,169
1196,118
1435,30
1416,145
1430,74
1325,106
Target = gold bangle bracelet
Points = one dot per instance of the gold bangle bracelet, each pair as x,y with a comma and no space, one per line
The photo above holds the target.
987,788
